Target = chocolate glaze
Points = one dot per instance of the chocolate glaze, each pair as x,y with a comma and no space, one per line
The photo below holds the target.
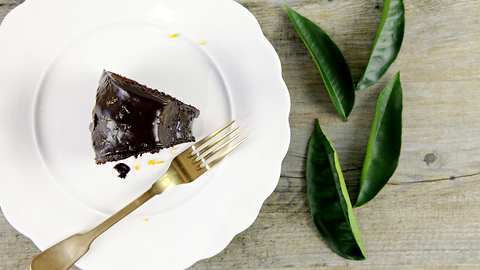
130,119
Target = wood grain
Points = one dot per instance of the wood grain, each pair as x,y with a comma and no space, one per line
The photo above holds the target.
428,216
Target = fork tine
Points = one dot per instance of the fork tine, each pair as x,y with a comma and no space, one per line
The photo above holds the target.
221,146
215,161
208,137
215,142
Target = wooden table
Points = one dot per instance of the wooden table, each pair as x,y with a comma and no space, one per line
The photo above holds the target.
428,216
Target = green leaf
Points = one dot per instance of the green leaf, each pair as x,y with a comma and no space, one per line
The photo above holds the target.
328,198
330,61
387,43
384,144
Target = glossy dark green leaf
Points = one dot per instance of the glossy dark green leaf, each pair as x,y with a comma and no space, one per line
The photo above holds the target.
387,43
384,144
330,61
328,198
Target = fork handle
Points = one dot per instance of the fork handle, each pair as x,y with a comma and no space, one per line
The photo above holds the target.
64,254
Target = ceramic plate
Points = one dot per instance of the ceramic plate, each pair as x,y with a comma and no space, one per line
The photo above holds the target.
208,53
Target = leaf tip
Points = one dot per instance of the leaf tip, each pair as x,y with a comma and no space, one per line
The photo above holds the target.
357,204
359,86
289,9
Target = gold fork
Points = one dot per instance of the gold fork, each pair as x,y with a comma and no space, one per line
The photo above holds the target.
186,167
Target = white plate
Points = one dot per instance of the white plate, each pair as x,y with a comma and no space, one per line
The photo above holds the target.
53,53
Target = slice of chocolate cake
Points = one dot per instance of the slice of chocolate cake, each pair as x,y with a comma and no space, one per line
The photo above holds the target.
130,119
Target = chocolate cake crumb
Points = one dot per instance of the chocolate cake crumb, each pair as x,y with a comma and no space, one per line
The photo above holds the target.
122,170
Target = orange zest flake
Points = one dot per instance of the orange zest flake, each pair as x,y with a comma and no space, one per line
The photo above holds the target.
136,164
111,101
173,150
153,162
202,43
146,219
105,119
173,35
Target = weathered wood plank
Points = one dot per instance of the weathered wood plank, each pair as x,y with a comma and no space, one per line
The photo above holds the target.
427,216
390,267
428,213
